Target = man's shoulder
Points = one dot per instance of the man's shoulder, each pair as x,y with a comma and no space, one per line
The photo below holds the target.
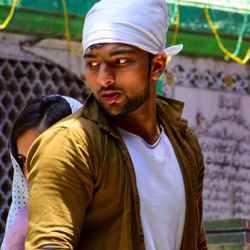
75,121
77,127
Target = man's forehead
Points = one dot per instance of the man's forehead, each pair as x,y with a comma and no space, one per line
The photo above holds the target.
110,47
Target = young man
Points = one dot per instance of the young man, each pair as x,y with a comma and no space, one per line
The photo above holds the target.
125,172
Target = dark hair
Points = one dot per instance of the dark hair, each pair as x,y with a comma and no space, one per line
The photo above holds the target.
40,113
150,59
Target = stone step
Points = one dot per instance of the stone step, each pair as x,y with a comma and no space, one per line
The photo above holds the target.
224,225
229,247
228,237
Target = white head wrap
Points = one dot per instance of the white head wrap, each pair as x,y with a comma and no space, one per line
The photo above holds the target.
142,23
20,186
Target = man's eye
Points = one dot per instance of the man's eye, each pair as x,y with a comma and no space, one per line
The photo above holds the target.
92,64
122,60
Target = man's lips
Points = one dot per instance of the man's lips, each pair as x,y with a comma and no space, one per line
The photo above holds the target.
110,96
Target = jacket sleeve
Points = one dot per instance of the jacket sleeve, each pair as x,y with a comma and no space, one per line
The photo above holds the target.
61,188
202,243
202,237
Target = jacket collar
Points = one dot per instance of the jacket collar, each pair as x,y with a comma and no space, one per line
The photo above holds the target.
168,109
173,107
93,111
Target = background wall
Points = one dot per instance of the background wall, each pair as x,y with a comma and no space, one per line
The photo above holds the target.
23,76
217,101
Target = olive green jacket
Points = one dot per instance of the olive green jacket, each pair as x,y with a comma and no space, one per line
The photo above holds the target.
83,192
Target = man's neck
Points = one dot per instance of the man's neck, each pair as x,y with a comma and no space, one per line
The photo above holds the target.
143,123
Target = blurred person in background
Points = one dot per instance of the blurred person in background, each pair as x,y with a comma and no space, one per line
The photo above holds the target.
36,116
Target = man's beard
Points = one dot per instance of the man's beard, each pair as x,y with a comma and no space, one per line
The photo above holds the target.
131,104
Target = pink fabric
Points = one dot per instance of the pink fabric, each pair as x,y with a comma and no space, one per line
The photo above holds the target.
15,237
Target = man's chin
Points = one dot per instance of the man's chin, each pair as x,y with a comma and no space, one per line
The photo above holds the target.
111,110
118,109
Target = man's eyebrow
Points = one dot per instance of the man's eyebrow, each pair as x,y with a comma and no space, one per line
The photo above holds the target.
114,53
89,55
121,51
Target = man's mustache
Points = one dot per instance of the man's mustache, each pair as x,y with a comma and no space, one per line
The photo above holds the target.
108,88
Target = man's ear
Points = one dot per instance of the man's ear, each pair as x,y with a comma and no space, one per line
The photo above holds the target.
158,65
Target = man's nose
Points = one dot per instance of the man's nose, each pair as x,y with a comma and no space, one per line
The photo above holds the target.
105,75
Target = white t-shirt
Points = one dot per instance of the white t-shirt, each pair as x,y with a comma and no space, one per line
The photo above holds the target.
161,191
